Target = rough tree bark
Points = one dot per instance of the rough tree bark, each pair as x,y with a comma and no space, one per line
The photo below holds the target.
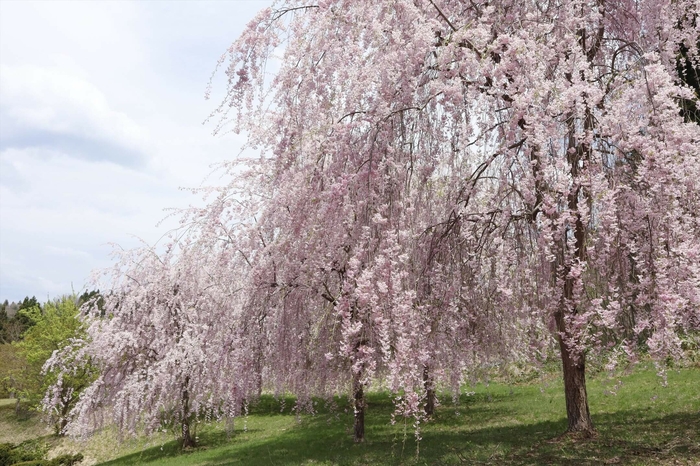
573,360
574,366
186,437
429,384
359,408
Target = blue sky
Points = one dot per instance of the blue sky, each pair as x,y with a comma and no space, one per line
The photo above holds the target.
101,111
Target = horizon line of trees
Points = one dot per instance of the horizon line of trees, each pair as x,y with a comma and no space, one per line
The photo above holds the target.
30,335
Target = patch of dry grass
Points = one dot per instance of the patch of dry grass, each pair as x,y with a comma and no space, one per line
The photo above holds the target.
17,429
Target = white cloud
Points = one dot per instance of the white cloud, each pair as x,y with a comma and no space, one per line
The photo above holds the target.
48,106
57,228
100,124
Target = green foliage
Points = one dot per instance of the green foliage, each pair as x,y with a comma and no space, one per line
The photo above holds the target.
53,327
29,303
93,298
63,460
30,450
32,453
690,344
9,362
13,322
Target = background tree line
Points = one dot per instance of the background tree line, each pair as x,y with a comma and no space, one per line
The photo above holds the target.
30,332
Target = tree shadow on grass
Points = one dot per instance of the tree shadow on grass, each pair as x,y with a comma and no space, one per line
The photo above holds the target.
674,440
208,439
318,440
625,437
169,449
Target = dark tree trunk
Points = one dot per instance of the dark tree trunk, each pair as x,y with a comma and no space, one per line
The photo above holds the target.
62,421
188,441
258,364
429,385
573,360
359,408
575,391
574,367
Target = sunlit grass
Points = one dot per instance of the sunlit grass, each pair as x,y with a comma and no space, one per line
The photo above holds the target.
642,423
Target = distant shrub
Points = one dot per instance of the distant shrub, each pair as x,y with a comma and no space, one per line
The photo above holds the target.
32,453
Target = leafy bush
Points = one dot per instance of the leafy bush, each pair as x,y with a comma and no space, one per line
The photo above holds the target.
32,453
11,454
55,326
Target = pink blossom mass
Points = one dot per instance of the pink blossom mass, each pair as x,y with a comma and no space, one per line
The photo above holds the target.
442,186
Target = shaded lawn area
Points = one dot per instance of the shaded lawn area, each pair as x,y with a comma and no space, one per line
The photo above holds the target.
17,429
644,423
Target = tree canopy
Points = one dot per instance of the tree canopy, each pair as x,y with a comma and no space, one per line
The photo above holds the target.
441,185
54,328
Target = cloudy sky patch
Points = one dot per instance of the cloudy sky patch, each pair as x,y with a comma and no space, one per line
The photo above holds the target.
50,108
101,111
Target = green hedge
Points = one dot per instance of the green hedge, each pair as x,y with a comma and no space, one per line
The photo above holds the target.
29,454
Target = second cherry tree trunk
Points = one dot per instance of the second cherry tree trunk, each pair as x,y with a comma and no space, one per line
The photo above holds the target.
429,385
575,392
359,409
188,441
574,368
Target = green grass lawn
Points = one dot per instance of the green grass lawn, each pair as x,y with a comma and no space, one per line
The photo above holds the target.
643,423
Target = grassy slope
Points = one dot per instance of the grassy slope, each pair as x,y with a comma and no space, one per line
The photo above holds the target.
644,423
14,429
